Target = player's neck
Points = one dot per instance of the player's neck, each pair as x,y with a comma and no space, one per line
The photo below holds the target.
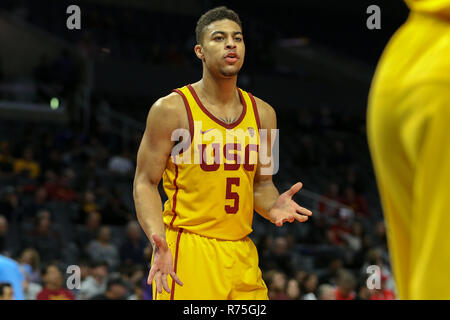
218,91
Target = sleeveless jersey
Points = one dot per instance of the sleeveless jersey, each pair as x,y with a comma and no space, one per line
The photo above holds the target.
209,182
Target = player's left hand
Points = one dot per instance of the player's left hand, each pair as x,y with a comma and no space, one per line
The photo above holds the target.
287,210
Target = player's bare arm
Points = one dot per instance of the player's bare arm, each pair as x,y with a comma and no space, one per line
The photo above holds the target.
166,115
267,200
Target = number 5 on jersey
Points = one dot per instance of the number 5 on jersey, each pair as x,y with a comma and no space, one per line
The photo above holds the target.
232,195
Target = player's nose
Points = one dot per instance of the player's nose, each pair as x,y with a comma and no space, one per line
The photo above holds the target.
230,44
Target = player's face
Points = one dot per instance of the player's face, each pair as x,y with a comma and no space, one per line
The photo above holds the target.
223,48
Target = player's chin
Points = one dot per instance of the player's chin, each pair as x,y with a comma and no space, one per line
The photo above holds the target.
229,71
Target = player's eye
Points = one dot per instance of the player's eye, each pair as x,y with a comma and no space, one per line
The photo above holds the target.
219,38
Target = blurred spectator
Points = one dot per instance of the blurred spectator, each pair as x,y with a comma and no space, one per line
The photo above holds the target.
354,243
44,238
38,203
121,163
10,203
95,283
27,165
102,249
363,293
375,258
332,194
357,202
88,205
383,293
61,188
326,292
277,287
281,257
354,238
6,291
116,289
379,238
300,275
5,237
29,261
53,285
330,274
293,289
115,212
10,273
30,289
339,230
137,291
88,232
132,273
132,249
346,285
6,159
309,287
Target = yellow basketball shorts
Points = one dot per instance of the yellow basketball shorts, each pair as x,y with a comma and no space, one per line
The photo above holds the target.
212,269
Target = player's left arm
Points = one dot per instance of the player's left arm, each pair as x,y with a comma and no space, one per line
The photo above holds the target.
268,202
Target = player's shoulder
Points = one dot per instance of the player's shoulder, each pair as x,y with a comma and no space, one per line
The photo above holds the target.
169,108
265,110
171,103
168,112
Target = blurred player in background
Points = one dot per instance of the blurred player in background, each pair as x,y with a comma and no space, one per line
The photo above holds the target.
409,138
201,237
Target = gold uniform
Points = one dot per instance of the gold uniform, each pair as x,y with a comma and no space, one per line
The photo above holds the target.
408,128
209,211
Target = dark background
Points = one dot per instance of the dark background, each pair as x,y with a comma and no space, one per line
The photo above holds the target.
313,61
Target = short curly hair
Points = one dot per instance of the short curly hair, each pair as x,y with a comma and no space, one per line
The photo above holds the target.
213,15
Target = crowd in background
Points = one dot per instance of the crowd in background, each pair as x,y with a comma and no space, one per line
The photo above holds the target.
66,195
66,199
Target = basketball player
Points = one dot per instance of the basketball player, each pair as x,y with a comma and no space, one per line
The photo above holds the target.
201,238
409,138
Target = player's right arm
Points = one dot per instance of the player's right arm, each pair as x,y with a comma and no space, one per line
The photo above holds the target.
163,118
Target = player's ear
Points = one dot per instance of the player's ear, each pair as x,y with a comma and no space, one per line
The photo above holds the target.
199,51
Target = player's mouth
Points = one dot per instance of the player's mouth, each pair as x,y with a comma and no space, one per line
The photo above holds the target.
231,57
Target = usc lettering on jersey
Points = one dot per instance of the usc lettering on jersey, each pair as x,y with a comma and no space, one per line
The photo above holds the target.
210,183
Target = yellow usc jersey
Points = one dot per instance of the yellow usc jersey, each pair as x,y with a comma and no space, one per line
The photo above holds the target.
209,182
407,129
435,7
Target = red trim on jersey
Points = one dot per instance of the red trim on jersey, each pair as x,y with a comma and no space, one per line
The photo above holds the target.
174,201
255,110
172,292
188,111
209,114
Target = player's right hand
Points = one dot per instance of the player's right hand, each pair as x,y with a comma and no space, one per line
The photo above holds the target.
162,265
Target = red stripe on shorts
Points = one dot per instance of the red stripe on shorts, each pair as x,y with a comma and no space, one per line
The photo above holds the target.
172,292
